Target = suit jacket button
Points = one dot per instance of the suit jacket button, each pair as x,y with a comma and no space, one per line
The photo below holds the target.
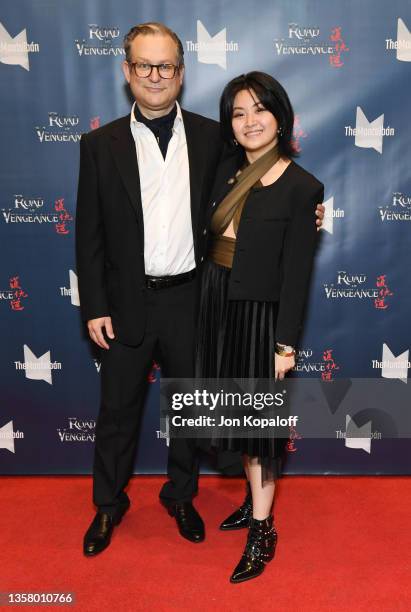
204,232
202,259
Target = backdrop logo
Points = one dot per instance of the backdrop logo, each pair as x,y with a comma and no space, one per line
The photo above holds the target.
100,41
27,209
307,40
339,48
298,134
60,128
383,293
15,295
8,435
37,368
330,214
305,363
330,365
399,209
15,51
391,366
78,430
71,291
31,210
368,134
358,437
354,286
94,123
63,217
403,43
211,49
294,435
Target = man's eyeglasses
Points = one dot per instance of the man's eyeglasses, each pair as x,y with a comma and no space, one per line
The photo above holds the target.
144,70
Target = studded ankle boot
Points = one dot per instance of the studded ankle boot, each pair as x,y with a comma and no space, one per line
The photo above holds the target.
259,550
241,517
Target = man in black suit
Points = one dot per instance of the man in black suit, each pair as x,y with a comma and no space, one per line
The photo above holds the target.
143,187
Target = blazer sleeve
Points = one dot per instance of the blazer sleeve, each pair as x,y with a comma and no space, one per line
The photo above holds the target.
298,257
90,239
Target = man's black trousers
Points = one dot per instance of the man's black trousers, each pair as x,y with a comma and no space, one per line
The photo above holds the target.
169,337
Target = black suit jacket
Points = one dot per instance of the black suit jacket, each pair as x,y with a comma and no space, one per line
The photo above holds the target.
276,242
109,219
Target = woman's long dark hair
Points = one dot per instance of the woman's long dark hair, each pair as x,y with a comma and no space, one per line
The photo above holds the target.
272,96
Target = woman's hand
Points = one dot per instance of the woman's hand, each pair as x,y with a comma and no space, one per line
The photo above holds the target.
282,365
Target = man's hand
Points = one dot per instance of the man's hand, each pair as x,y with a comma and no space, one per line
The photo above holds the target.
282,365
320,210
95,330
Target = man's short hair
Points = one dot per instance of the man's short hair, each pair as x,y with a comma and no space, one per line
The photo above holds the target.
152,28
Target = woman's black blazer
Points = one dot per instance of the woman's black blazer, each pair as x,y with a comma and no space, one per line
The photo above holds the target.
276,242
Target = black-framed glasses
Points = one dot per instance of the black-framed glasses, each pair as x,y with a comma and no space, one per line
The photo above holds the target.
143,69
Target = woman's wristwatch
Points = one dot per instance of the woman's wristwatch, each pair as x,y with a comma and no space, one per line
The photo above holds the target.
284,350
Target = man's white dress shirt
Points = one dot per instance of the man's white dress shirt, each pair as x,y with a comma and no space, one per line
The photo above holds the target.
165,195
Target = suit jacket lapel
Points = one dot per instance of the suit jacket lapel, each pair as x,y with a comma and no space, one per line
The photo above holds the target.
124,152
196,149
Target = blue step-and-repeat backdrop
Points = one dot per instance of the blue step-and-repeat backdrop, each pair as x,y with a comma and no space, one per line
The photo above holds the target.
347,68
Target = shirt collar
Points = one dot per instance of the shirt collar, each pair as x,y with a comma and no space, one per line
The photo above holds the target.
134,123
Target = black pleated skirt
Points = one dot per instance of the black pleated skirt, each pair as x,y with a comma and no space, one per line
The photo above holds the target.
236,340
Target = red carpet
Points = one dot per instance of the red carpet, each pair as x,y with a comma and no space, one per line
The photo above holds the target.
344,544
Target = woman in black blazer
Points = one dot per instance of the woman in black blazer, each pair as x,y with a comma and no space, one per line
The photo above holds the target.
256,279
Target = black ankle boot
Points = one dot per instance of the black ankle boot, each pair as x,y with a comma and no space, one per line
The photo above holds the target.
241,517
259,550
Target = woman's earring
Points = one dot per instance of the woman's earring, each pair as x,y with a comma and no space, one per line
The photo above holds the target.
235,142
280,131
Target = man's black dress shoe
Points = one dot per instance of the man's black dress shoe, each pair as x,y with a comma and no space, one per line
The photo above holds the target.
98,535
189,522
